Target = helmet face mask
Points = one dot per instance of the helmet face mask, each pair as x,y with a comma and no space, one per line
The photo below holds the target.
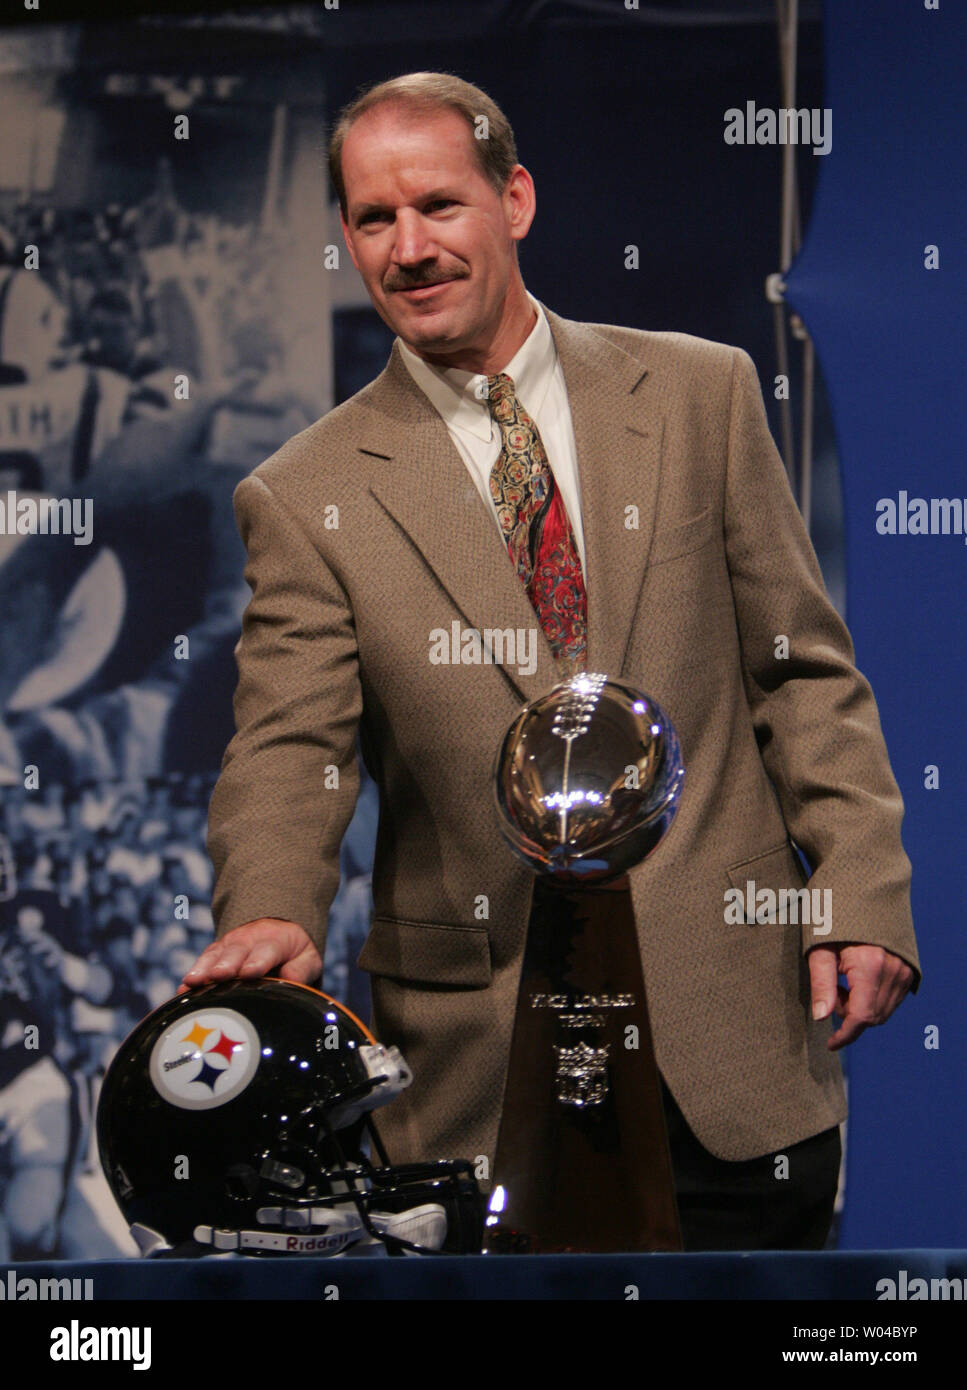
237,1117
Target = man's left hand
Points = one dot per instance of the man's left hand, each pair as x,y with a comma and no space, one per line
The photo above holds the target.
877,981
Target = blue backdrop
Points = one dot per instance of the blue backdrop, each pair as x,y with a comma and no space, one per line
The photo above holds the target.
889,335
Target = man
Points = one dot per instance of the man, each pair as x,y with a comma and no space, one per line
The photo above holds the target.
680,559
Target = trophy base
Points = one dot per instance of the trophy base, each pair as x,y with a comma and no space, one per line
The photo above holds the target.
582,1159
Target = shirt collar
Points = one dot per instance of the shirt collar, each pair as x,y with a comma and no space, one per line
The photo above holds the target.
462,400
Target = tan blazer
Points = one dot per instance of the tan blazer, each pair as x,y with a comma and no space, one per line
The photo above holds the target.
365,533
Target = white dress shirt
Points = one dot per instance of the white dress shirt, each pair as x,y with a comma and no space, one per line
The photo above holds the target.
461,399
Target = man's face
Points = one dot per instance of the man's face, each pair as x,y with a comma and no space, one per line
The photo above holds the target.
432,238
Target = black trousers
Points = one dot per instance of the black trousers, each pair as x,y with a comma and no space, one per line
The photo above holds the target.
745,1206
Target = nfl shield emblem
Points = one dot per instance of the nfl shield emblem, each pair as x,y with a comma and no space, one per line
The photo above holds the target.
582,1074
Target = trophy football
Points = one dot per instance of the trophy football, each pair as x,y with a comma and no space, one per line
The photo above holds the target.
587,783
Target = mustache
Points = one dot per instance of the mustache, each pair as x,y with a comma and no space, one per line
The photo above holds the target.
422,282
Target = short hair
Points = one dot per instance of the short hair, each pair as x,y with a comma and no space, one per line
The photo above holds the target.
496,156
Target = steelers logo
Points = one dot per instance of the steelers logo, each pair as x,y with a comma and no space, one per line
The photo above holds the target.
205,1059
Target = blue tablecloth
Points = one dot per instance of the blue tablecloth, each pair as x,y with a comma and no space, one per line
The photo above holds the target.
843,1275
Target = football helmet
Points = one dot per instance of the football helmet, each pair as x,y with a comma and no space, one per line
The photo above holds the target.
235,1117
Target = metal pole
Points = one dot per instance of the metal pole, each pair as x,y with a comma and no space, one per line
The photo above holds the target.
273,176
790,240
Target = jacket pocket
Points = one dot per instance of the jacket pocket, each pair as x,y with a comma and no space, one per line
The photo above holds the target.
427,953
777,871
673,541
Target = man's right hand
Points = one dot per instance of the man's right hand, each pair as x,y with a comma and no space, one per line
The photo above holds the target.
269,944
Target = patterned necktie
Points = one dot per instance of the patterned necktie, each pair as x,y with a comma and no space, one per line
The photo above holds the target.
535,525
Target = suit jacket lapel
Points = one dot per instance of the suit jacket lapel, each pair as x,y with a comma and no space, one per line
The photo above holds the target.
618,440
430,494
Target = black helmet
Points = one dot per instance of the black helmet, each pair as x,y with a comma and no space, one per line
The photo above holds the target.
235,1117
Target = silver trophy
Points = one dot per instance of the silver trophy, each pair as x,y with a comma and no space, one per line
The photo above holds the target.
587,783
588,780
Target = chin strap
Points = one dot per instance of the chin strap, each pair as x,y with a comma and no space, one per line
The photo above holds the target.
330,1230
422,1228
